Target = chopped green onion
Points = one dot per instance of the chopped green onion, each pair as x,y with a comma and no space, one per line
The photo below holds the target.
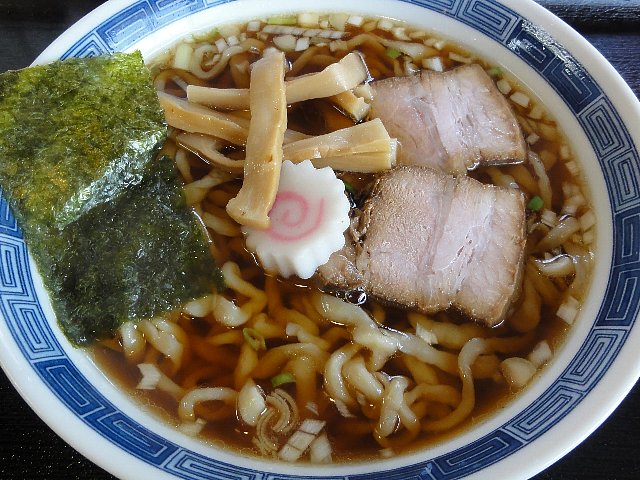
495,72
535,204
282,378
207,36
254,339
282,20
392,52
348,187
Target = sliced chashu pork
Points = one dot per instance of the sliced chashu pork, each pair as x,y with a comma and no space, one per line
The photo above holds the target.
449,121
430,241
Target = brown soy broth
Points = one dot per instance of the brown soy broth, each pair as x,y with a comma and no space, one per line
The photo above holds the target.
221,434
350,437
349,440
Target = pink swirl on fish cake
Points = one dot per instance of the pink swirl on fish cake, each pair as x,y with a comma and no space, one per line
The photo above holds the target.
290,219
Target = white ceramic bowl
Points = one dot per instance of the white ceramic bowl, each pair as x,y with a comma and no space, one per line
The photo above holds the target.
588,377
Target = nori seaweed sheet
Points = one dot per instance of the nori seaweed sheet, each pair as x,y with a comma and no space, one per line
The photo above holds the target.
106,223
87,129
140,255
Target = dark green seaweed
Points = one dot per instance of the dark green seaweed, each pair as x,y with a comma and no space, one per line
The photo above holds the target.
106,222
129,259
86,128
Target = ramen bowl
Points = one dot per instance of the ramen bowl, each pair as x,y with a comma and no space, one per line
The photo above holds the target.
585,381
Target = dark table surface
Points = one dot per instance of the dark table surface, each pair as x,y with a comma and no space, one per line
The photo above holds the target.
30,450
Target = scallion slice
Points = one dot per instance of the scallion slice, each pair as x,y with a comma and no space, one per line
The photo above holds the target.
282,20
348,187
392,52
254,339
535,204
281,379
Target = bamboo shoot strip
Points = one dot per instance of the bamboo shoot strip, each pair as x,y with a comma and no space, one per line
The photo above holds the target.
355,107
209,148
339,77
363,148
194,118
220,98
268,106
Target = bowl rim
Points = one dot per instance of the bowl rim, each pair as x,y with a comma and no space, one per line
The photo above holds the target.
622,101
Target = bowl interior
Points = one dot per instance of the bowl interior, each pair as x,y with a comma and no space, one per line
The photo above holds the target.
593,109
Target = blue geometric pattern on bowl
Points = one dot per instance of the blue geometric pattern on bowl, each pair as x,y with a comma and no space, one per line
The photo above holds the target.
616,154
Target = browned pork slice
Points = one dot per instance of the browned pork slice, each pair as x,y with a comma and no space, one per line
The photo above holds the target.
430,241
449,121
340,270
